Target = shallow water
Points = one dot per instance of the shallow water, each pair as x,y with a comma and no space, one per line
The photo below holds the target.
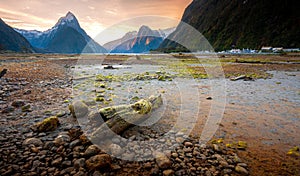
264,108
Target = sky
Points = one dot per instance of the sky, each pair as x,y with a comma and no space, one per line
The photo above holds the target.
94,16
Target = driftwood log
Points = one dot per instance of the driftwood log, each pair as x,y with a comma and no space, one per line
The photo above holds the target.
117,119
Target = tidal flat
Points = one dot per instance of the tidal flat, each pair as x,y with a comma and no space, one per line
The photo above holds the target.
257,116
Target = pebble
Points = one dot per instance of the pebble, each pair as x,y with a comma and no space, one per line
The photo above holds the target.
241,170
79,163
162,161
34,141
98,162
91,151
168,172
61,139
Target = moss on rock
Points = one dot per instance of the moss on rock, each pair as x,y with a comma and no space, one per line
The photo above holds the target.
48,124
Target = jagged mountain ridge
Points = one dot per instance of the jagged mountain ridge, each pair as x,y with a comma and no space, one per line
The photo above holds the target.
44,40
241,23
140,41
11,40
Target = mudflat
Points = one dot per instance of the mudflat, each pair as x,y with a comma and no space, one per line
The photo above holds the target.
258,133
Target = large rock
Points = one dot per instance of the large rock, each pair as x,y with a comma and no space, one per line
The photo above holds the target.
49,124
119,118
78,109
99,162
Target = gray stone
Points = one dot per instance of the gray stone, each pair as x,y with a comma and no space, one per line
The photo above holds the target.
115,150
78,109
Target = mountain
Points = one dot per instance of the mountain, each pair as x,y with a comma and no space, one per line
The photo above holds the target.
65,37
10,40
142,41
240,23
113,44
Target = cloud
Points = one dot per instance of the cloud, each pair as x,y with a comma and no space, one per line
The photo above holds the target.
112,12
93,15
21,14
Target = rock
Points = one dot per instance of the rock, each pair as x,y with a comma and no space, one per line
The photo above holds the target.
78,109
61,113
242,145
91,151
162,161
128,156
26,108
241,170
79,163
115,167
227,171
209,98
174,155
36,164
115,150
34,141
57,161
168,172
66,163
148,165
216,147
98,162
8,109
27,92
80,173
188,144
74,143
3,72
18,103
61,139
48,124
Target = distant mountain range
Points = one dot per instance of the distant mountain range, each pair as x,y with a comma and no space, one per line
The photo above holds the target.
225,24
142,41
239,23
10,40
65,37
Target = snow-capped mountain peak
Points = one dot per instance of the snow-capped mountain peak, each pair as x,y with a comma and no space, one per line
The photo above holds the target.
70,16
69,20
67,26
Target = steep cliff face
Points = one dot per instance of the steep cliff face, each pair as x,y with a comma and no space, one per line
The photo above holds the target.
10,40
242,23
